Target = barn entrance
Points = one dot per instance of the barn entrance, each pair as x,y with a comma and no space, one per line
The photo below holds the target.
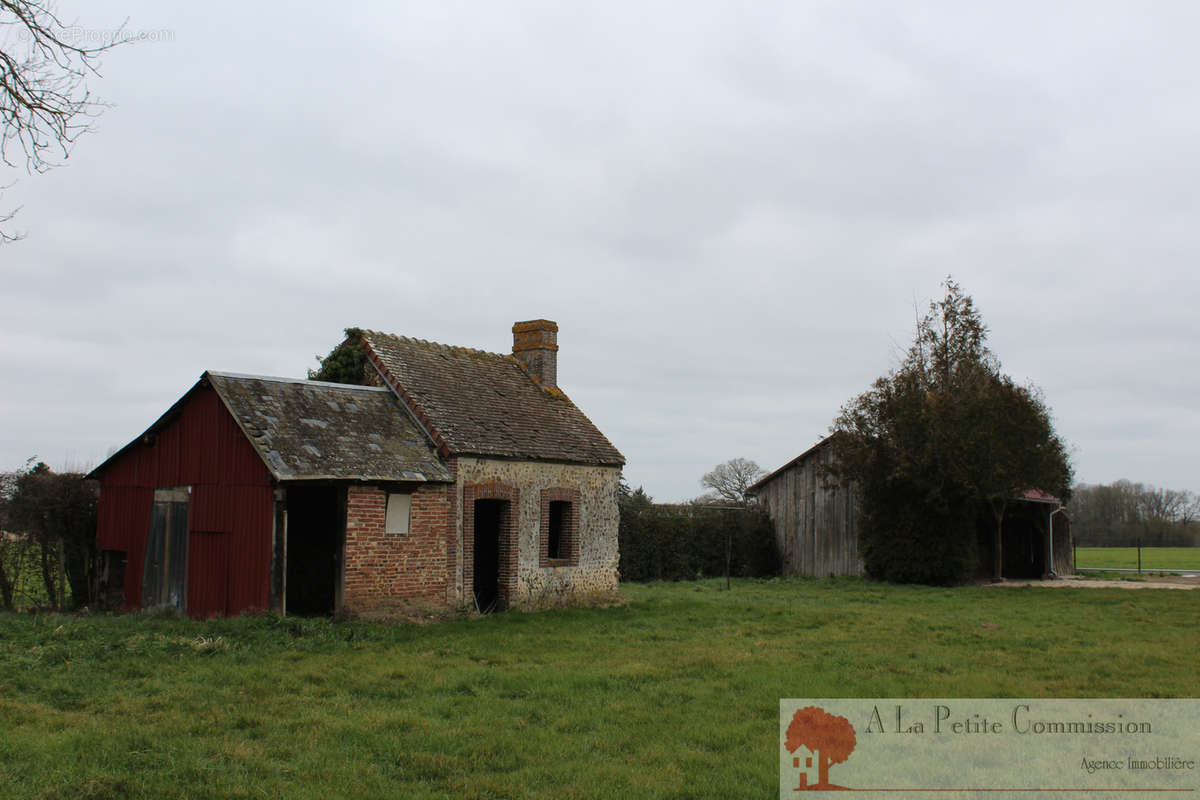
1024,549
314,549
489,520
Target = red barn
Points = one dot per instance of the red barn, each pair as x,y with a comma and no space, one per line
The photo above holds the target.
461,478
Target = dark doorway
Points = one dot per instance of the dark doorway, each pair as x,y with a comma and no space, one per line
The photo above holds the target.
314,546
489,518
1023,548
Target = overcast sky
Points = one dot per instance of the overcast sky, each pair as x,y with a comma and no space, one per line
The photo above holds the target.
732,210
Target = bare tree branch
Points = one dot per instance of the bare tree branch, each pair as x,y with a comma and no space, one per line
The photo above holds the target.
5,236
45,104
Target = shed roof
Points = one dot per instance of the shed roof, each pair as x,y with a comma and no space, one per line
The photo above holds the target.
311,430
1038,496
1030,495
754,487
479,403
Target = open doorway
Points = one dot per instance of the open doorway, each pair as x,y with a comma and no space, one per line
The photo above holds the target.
1024,548
489,519
314,547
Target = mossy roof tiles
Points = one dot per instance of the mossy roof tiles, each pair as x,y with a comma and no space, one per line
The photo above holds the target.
310,430
486,404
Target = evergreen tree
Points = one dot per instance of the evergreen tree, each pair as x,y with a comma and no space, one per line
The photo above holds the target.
941,438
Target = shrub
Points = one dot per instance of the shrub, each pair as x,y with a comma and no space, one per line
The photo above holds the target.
672,543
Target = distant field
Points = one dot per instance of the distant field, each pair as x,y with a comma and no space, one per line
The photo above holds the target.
1153,558
672,695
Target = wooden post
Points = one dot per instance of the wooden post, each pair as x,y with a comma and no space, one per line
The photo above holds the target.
728,552
279,554
62,573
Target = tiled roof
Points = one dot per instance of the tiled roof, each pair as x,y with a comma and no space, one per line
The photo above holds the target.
486,404
1038,496
310,430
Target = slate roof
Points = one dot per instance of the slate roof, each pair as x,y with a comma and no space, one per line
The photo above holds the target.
486,404
311,430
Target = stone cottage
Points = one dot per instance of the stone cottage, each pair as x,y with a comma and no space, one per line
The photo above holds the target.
460,478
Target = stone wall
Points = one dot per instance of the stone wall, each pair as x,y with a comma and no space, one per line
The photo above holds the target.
591,569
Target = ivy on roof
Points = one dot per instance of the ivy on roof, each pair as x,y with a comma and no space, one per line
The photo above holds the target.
346,363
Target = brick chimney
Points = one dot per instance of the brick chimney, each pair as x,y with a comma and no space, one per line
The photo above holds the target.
535,344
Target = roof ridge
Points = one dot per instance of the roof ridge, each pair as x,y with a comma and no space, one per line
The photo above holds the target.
429,342
280,379
474,402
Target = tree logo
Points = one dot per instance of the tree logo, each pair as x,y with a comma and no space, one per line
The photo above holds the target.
817,738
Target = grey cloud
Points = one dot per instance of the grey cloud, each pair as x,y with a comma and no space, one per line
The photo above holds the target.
730,210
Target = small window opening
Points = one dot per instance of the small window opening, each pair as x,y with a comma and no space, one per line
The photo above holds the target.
399,508
560,512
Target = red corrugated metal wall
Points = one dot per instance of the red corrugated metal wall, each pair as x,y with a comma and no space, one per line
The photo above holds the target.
231,508
208,573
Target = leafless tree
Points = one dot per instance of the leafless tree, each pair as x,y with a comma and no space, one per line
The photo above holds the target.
45,104
1123,512
729,481
1190,510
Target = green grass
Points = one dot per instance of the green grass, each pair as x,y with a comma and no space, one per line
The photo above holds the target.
673,695
1153,558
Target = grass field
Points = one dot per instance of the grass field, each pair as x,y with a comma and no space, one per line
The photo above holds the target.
1155,558
674,694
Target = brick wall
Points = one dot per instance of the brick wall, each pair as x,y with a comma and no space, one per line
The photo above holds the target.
387,573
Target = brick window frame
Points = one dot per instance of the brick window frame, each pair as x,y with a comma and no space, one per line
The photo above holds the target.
508,537
569,543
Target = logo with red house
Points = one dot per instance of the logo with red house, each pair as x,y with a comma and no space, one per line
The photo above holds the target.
817,739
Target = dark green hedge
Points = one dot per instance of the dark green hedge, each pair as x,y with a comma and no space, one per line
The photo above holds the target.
673,543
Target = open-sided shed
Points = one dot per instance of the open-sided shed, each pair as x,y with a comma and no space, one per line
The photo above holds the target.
816,524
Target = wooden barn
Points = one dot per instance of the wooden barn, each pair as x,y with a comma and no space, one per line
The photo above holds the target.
459,478
816,521
816,525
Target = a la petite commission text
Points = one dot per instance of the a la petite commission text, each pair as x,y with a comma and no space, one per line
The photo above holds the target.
1021,721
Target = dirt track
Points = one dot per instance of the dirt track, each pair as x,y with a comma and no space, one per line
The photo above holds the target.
1075,582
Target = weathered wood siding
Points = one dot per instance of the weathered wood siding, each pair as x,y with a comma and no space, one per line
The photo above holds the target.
816,522
1064,544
